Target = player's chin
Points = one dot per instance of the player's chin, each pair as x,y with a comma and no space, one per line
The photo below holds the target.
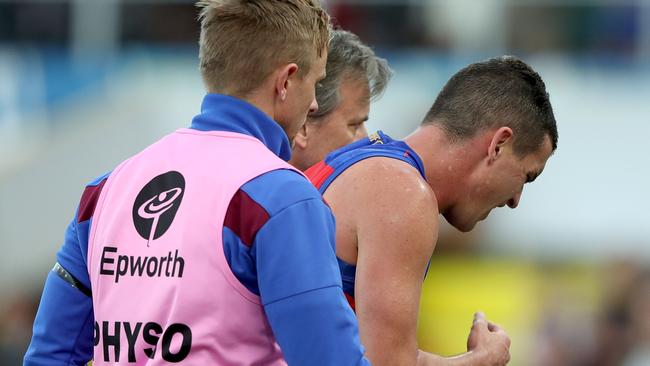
462,225
467,227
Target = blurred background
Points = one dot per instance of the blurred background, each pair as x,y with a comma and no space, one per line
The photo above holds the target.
86,83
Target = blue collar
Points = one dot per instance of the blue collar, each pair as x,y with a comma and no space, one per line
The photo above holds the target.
224,113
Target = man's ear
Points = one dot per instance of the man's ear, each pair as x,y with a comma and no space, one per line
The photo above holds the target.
301,137
283,79
501,138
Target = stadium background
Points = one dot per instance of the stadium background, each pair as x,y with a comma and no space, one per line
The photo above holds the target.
86,83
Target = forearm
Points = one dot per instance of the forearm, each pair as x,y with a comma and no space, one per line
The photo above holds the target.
316,328
471,358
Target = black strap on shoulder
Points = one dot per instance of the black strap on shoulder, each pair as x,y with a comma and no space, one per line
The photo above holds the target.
67,277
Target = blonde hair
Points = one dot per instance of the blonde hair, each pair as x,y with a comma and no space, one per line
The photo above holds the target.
243,41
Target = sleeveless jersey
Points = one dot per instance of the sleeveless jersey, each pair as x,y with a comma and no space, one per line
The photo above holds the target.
162,288
324,173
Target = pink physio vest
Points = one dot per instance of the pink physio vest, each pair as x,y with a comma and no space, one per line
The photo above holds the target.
163,291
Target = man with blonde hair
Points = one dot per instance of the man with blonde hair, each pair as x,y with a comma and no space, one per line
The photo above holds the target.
207,248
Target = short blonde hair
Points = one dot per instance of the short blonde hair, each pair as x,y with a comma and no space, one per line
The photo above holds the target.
243,41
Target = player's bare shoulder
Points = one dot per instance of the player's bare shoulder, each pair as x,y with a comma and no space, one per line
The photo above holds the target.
384,184
384,203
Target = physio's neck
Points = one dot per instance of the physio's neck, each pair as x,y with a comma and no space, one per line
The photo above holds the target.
261,101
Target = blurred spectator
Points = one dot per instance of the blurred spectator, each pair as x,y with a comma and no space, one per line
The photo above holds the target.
16,319
638,350
565,334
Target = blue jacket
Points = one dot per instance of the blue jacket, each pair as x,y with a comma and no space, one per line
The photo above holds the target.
282,258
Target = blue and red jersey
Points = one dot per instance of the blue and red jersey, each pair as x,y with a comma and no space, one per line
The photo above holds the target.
324,173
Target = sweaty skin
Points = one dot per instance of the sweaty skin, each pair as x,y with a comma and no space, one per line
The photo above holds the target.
387,218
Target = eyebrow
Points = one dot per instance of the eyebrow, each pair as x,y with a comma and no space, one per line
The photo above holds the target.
358,121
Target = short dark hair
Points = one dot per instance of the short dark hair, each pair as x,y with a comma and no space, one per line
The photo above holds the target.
502,91
348,57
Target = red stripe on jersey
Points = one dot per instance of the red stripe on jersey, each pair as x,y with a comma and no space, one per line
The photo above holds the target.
350,301
319,173
89,201
245,217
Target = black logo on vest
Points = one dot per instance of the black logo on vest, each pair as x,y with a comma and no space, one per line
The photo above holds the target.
156,205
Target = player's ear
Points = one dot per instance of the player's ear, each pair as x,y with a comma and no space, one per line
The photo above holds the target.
500,139
283,80
301,137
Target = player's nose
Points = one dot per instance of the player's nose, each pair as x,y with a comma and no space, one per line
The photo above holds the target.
514,201
314,106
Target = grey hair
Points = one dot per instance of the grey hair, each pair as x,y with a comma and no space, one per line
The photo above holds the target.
349,57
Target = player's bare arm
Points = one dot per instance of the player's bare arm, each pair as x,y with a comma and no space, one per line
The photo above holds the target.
389,227
394,215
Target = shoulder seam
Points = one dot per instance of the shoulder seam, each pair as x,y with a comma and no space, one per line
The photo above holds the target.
318,199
